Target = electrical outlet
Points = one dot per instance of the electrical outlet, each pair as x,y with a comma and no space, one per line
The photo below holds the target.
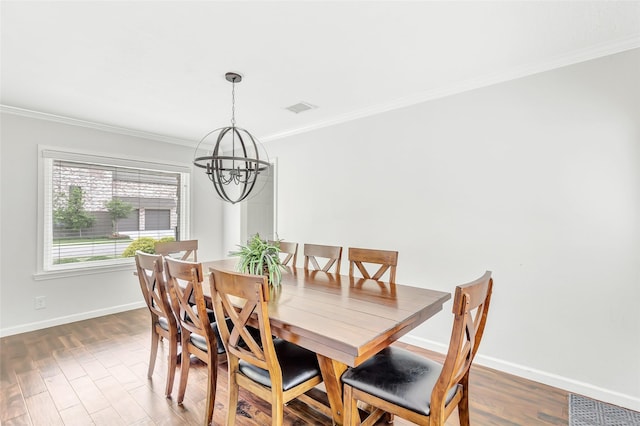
41,302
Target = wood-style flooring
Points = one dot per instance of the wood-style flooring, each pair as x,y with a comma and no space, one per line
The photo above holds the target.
95,372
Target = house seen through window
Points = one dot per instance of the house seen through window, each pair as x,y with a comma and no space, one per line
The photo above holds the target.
98,214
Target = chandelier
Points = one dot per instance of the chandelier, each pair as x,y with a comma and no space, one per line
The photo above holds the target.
237,159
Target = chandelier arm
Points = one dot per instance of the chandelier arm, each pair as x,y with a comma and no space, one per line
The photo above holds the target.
220,194
200,143
223,132
246,191
255,146
220,173
228,157
247,169
257,160
220,188
220,159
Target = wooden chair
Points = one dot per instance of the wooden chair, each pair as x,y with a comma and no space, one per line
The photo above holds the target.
333,254
199,336
187,249
415,388
388,261
291,251
163,321
275,370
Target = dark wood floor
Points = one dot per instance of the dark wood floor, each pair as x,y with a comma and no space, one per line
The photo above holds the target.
94,372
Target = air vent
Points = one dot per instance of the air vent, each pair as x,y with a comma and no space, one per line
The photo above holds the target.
301,107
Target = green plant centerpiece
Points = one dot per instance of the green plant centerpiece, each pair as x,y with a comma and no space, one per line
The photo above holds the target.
259,257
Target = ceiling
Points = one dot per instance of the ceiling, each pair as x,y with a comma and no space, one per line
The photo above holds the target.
158,67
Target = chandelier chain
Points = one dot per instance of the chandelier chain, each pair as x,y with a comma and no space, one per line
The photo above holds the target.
233,103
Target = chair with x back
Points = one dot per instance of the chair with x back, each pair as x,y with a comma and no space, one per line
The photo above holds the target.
199,336
185,250
273,369
163,321
290,250
333,254
360,257
418,389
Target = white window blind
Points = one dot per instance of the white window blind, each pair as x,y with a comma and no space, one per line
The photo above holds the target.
95,207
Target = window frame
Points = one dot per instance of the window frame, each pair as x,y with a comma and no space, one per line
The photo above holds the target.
46,156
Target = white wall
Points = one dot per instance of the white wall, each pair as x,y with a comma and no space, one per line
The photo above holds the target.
536,179
74,298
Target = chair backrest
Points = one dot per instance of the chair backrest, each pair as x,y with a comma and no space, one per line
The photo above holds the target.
291,251
470,308
359,257
229,290
154,287
187,248
185,280
333,254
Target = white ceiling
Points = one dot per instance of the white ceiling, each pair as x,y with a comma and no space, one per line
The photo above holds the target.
159,67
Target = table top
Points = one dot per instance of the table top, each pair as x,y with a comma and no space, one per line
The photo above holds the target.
343,318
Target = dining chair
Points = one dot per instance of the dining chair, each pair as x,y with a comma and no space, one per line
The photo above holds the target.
333,254
415,388
291,251
186,249
272,369
163,321
360,257
199,335
183,250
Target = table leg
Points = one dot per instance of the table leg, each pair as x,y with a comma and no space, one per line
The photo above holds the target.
331,372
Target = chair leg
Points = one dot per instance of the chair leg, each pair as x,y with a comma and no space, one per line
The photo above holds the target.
154,350
463,405
233,396
277,408
173,364
212,376
184,371
351,415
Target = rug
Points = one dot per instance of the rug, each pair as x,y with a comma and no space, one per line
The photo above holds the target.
585,411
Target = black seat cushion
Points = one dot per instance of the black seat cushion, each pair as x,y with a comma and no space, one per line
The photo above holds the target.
297,364
201,343
162,321
398,376
211,314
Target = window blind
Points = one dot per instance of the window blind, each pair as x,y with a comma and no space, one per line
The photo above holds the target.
94,211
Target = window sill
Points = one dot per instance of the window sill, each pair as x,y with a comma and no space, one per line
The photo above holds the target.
75,272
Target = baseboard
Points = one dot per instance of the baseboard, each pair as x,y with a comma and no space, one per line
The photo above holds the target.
570,385
33,326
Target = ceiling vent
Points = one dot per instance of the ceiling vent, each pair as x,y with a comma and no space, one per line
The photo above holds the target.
301,107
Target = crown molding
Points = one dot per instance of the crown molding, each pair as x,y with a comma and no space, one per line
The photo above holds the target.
93,125
575,57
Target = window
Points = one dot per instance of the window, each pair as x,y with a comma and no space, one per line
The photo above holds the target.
94,207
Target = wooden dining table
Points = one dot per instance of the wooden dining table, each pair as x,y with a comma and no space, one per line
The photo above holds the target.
344,320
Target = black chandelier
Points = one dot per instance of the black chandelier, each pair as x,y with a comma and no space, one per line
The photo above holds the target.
237,160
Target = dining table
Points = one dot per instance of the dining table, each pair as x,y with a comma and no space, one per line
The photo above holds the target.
344,320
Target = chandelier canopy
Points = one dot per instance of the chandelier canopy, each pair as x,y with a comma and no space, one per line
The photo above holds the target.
237,159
